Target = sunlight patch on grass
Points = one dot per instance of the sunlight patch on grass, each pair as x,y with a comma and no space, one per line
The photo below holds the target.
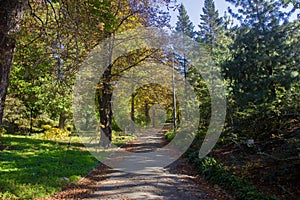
119,138
32,168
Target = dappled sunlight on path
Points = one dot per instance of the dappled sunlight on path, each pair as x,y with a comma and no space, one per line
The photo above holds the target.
147,183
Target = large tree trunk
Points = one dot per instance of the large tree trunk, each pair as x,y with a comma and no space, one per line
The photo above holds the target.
11,13
105,110
105,100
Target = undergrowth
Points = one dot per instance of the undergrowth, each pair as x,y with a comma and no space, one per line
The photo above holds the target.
217,174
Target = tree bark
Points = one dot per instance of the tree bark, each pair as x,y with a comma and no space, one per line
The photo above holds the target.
132,113
62,120
147,113
105,110
31,120
105,101
11,13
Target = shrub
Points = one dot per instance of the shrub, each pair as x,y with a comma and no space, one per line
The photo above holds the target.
55,133
217,174
46,127
2,131
169,135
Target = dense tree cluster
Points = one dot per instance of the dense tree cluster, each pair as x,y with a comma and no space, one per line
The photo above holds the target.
52,39
259,60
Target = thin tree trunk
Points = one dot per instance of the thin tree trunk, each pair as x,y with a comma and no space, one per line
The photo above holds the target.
31,120
11,13
272,83
153,118
174,94
62,120
147,113
132,114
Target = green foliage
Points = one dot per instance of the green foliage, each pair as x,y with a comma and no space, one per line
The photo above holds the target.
217,174
36,79
169,135
214,33
184,24
210,25
119,138
261,73
16,119
2,132
115,126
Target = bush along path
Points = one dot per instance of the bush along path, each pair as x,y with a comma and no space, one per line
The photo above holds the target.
177,181
215,173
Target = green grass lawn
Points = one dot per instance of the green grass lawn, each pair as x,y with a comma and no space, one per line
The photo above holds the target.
32,167
119,138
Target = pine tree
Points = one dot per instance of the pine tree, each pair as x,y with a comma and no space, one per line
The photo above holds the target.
260,50
185,27
263,64
210,25
184,24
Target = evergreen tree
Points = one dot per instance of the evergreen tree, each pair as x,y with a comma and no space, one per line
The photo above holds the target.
210,25
260,51
263,64
184,24
186,27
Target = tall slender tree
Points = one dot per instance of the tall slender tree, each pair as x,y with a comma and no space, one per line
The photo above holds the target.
210,25
184,24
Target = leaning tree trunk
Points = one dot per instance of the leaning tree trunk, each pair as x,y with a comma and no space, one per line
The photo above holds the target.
11,13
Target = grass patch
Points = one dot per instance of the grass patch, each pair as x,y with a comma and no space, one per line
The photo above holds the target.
32,168
169,135
119,138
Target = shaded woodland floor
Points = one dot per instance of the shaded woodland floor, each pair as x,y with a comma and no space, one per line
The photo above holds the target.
272,166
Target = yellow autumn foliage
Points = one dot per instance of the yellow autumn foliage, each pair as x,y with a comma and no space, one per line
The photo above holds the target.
56,133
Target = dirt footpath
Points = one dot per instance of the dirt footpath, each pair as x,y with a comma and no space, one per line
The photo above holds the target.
156,183
177,181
